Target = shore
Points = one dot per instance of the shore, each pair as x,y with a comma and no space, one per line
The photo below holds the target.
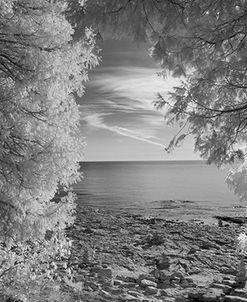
128,257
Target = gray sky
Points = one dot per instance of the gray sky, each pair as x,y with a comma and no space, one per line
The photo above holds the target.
118,117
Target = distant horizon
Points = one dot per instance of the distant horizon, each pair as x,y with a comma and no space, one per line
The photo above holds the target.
148,160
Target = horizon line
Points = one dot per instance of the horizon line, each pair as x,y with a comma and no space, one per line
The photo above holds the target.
148,160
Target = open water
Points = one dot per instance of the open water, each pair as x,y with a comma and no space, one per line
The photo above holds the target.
176,189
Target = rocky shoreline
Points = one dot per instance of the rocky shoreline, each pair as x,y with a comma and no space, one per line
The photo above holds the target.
126,257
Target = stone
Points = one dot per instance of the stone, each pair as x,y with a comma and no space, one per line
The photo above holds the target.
226,288
169,299
93,285
128,285
95,269
146,277
127,297
175,279
231,283
213,294
116,291
164,284
234,299
163,293
105,273
145,283
134,293
150,290
192,250
117,282
240,292
163,263
105,294
130,279
196,295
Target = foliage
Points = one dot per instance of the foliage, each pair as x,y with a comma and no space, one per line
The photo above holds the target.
41,69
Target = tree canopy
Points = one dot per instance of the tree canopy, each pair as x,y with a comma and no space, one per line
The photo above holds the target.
41,70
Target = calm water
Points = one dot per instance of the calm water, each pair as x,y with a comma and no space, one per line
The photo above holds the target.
182,189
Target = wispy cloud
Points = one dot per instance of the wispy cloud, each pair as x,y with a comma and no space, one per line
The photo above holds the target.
97,121
141,84
119,100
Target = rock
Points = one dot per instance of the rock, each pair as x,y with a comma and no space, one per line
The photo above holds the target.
234,299
241,275
128,297
164,284
192,250
154,239
178,275
95,269
105,294
145,283
181,299
163,293
170,299
226,288
187,282
196,295
161,276
163,263
116,291
13,299
134,293
175,280
194,270
239,292
146,277
128,285
150,290
105,273
212,294
93,285
117,282
130,279
231,283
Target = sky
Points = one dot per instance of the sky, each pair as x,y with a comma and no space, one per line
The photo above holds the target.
118,118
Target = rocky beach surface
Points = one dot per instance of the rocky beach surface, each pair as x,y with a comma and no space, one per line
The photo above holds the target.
128,257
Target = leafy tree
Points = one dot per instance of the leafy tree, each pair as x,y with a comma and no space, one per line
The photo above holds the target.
41,69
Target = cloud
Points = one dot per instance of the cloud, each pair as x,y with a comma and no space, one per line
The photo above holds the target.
97,121
141,84
119,99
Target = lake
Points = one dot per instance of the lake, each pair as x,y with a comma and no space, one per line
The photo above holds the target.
177,189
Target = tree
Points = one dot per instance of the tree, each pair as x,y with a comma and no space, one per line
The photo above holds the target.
41,69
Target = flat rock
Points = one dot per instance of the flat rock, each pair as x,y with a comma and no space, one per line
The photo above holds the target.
151,290
234,299
146,283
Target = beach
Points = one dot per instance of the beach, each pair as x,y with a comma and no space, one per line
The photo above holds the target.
121,256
